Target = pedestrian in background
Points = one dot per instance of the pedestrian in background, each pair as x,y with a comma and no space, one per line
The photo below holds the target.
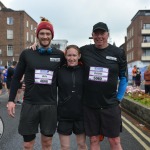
10,74
103,64
138,78
39,108
134,75
147,80
5,78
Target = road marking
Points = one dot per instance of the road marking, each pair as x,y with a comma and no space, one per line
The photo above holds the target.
136,137
135,128
1,127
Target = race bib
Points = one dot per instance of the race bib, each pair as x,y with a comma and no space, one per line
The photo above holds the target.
43,76
98,74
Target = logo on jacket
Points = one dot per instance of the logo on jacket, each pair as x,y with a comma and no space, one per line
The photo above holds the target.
54,59
111,58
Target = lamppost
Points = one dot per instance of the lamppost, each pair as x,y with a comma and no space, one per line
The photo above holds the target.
90,39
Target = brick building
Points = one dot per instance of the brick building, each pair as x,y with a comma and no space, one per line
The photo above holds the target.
17,32
137,42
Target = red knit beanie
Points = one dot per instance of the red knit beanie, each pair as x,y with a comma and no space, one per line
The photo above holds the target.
45,24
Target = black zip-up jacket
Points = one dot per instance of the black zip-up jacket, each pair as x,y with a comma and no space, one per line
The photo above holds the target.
70,89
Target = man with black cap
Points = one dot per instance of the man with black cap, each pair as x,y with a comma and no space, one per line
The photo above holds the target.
103,64
39,107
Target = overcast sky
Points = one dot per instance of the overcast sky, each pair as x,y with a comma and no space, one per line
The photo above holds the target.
73,19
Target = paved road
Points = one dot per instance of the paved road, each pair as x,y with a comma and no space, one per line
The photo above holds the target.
11,140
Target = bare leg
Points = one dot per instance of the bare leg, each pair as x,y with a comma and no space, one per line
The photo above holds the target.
46,142
28,145
94,143
115,143
19,95
64,142
81,142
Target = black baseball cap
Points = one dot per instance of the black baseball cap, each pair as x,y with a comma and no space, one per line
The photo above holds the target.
100,25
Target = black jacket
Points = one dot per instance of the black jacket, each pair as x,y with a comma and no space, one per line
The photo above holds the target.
70,89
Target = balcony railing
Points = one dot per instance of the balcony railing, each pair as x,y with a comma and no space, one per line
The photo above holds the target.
145,58
145,44
145,31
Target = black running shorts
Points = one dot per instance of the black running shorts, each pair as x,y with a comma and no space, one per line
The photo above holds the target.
67,127
103,121
34,116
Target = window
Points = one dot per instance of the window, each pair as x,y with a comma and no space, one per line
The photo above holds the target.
147,14
31,27
132,43
10,20
146,26
130,56
0,62
146,52
27,24
132,30
35,30
127,46
146,39
31,38
0,51
27,36
9,62
9,50
9,34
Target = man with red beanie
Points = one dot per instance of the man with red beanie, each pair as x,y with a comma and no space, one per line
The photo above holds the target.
45,24
39,107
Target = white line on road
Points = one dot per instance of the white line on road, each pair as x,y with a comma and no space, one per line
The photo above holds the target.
135,128
136,137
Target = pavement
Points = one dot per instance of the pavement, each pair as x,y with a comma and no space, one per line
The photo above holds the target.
3,92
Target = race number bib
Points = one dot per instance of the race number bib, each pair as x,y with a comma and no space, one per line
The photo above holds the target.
43,76
98,74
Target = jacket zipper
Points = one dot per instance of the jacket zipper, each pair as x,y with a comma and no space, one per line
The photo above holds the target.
73,80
